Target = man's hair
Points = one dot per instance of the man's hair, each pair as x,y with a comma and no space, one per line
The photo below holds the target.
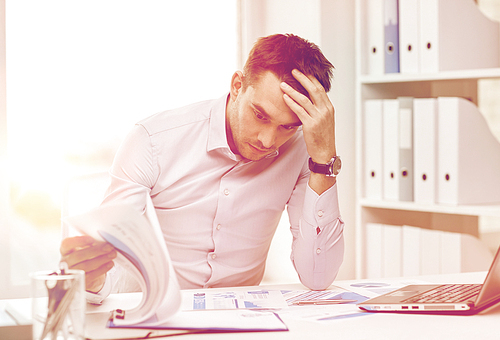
280,54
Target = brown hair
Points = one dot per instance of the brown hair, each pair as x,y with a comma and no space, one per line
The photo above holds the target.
280,54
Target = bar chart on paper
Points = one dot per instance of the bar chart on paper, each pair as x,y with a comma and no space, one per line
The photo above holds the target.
314,296
252,299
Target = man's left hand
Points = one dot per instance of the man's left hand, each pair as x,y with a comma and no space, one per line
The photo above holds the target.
316,114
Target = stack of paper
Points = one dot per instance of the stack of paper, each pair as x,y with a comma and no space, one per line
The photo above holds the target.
138,240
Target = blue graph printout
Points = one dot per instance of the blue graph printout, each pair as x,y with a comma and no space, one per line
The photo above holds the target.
233,300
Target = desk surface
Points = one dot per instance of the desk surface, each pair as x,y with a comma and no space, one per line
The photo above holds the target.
371,326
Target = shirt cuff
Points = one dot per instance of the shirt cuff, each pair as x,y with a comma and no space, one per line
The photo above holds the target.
321,210
98,298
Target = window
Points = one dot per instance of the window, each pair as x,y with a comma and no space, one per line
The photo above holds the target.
79,75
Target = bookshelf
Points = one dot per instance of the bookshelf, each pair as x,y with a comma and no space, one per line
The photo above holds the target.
457,83
470,210
486,73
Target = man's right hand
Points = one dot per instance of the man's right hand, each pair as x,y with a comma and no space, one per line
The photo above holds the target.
95,258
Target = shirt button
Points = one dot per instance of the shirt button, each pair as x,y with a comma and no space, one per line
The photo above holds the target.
226,192
320,213
219,226
318,251
214,256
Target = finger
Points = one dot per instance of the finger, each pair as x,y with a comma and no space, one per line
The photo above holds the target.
71,244
297,102
298,97
298,109
94,280
303,79
309,81
94,264
95,270
311,84
315,82
89,253
321,104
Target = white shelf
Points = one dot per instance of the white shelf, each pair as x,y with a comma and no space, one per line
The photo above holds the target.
458,83
487,73
472,210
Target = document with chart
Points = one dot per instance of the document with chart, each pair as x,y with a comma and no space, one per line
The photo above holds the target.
137,239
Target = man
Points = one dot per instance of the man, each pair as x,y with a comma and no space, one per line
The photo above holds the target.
221,172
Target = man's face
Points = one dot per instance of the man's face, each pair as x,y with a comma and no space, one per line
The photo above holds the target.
258,119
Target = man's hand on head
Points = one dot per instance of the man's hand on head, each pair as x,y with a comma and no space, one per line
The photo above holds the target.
316,114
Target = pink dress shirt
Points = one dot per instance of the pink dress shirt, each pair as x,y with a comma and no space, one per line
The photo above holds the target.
218,212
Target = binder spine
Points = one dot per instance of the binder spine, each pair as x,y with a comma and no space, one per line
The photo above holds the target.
391,34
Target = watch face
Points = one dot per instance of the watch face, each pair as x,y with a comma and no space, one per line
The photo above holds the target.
336,166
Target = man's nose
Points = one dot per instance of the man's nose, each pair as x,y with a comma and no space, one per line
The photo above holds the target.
267,138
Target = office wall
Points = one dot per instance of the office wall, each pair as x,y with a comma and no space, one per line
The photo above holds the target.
489,105
105,94
330,24
337,41
4,201
489,89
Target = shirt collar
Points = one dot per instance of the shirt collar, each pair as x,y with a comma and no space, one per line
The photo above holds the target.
217,138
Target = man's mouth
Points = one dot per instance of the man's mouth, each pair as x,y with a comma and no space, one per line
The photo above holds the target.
259,150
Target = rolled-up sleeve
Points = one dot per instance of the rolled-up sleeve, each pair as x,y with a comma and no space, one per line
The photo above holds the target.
318,244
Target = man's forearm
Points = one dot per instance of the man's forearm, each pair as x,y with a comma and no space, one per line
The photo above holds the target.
318,247
317,258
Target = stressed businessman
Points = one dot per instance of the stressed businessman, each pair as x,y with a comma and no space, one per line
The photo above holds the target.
221,172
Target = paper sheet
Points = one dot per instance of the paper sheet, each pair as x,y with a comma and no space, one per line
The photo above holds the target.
378,286
323,313
96,329
294,296
220,321
250,299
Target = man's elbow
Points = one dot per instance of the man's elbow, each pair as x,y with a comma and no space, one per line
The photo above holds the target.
324,279
321,273
320,281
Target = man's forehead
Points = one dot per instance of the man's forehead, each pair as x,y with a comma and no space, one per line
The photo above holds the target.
266,96
270,77
279,116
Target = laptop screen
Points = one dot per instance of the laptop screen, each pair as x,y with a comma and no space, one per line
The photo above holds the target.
491,287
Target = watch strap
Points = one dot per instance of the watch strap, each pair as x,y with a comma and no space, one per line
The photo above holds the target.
331,169
319,168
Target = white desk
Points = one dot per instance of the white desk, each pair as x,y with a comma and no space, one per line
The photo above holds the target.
373,326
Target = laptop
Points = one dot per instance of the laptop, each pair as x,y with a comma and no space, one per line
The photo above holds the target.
466,299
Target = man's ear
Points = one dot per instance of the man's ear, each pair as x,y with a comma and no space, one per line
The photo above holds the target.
236,84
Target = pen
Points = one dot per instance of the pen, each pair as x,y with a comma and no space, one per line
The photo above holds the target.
322,302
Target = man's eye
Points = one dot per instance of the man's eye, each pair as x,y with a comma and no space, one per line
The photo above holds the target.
259,116
288,127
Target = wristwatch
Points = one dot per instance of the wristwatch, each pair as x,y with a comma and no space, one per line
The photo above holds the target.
331,169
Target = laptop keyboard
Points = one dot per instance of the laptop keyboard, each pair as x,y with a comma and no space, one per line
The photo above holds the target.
447,294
